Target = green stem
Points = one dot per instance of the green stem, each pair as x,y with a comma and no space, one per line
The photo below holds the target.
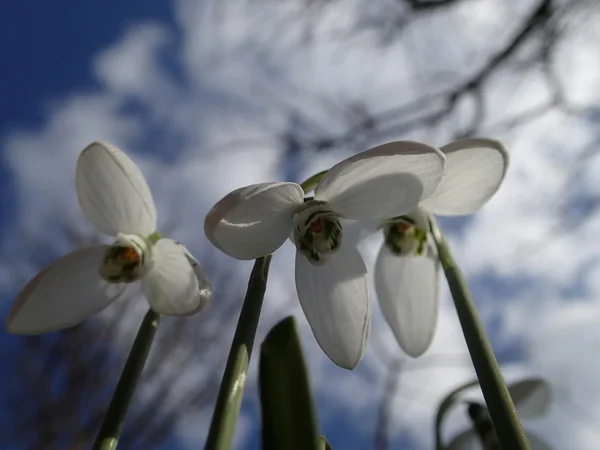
222,427
500,405
110,432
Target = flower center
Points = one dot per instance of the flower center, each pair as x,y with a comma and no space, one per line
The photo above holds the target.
317,231
404,237
127,260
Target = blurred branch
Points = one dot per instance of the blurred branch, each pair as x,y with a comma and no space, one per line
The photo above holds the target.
382,428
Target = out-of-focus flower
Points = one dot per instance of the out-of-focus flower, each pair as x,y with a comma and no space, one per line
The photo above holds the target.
115,197
407,268
253,221
531,398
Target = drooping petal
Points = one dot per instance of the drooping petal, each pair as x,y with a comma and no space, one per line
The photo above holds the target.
531,397
113,193
335,300
469,440
408,291
253,221
205,287
62,295
383,182
475,169
171,287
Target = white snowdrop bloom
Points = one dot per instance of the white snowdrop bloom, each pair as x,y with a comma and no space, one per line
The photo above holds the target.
407,270
385,181
115,197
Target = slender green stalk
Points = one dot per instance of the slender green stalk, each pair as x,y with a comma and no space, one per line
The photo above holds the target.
231,392
500,405
110,432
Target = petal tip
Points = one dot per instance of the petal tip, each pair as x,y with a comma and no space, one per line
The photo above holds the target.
105,146
466,143
347,363
254,220
9,323
112,191
211,221
415,352
16,325
12,323
350,366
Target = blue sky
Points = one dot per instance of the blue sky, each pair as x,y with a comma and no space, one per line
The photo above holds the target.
201,105
48,51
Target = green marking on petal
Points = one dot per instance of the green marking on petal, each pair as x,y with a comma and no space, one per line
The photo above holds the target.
317,231
154,238
128,259
403,238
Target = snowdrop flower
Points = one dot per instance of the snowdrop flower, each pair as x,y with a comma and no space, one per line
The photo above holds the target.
407,268
253,221
532,400
115,197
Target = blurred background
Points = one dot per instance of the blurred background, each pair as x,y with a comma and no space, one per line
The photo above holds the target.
209,96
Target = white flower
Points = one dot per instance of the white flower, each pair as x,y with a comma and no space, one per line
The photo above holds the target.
115,197
407,268
532,400
253,221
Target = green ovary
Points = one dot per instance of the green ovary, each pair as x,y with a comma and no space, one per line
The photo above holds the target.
403,238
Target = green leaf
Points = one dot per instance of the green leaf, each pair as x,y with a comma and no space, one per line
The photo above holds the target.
288,416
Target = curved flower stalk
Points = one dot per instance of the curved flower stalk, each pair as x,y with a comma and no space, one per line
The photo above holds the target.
385,181
115,197
407,270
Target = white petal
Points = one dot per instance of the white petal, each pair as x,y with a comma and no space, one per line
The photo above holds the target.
63,294
356,231
113,193
531,397
205,287
335,300
475,169
408,292
172,287
469,440
383,182
253,221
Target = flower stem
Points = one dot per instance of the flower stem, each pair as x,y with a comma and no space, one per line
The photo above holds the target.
500,405
110,432
229,400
